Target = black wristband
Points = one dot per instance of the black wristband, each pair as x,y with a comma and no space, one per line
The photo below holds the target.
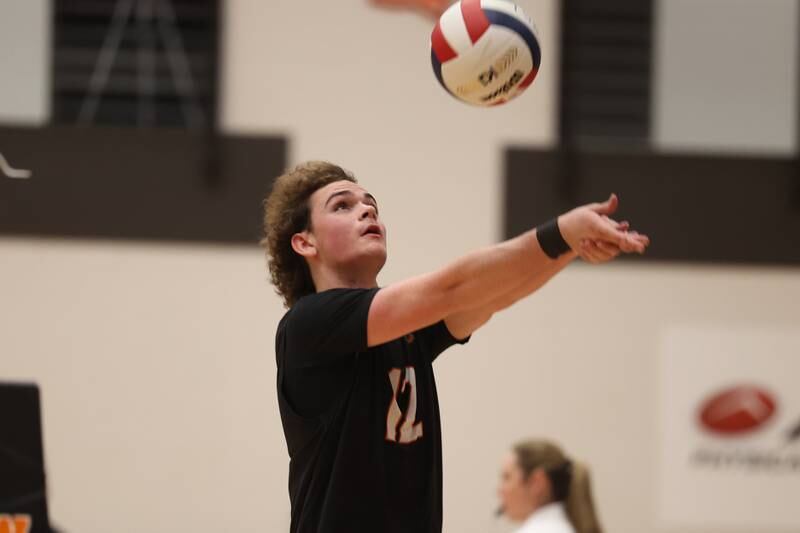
550,239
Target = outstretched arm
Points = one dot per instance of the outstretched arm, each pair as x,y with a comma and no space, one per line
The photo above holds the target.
462,324
494,277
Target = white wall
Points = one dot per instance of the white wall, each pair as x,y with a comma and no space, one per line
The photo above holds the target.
726,76
25,62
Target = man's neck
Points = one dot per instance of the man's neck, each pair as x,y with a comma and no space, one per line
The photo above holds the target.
327,278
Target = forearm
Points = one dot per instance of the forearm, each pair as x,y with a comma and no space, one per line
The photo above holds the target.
464,323
532,284
479,277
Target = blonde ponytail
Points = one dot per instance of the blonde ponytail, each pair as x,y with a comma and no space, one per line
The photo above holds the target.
535,454
579,502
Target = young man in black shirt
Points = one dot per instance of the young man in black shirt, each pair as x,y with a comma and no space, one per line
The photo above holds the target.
356,388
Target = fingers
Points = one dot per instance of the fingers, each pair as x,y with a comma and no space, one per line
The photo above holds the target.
621,226
597,251
593,223
618,234
610,238
608,207
609,250
632,242
643,241
640,239
635,243
606,231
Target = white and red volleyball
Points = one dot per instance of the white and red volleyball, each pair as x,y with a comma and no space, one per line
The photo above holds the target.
485,52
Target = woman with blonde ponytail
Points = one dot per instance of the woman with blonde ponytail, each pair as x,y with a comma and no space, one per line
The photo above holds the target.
546,491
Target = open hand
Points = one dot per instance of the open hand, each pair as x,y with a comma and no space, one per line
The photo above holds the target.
596,237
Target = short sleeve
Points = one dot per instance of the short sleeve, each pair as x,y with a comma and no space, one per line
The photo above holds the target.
326,324
437,338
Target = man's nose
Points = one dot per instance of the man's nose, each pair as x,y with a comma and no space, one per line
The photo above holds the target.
369,211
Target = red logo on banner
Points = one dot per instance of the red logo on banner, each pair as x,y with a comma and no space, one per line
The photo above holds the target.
737,410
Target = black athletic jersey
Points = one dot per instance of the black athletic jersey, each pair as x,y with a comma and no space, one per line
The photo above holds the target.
361,424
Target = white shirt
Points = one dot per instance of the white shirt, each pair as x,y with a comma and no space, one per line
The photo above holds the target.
550,518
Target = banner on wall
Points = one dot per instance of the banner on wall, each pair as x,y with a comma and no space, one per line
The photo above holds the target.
729,427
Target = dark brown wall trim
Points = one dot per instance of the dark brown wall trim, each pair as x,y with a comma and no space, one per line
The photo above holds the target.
127,183
696,208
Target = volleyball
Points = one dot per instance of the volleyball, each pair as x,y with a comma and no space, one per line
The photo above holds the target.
485,52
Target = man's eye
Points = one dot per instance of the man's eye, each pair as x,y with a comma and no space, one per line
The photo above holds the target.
341,205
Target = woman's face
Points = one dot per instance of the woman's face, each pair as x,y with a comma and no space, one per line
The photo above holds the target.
519,495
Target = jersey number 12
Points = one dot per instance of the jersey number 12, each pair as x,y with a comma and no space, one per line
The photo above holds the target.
401,423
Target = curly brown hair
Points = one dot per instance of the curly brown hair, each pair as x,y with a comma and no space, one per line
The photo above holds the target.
286,212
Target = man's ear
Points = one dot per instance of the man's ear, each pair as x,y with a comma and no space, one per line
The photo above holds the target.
304,244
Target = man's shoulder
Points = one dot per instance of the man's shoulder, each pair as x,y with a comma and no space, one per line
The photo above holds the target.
334,320
330,300
333,294
303,304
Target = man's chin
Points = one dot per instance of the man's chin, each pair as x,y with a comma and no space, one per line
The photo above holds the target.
379,259
374,246
373,259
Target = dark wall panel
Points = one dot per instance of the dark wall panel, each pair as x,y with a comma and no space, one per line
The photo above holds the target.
125,183
695,208
605,81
